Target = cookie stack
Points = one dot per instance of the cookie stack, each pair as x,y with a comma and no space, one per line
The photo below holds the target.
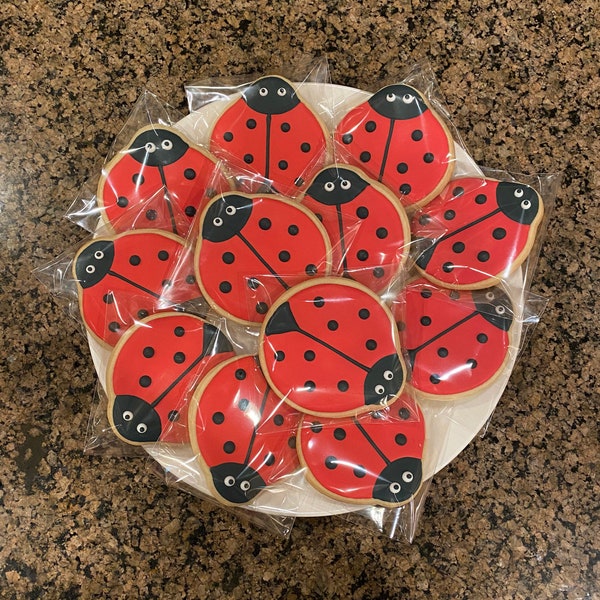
280,295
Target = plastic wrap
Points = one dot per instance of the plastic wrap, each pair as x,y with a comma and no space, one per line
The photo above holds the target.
155,176
283,336
266,126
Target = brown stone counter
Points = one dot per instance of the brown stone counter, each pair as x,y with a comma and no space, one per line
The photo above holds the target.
514,516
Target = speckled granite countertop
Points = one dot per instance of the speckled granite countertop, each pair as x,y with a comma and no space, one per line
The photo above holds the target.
515,516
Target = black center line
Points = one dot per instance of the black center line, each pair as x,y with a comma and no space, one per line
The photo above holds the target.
371,442
386,150
333,349
254,251
134,284
168,200
177,380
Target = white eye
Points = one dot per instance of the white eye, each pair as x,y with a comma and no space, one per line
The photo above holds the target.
490,296
345,185
390,97
167,144
329,186
150,147
526,204
142,428
245,486
98,255
281,92
379,390
407,476
127,415
229,481
519,193
90,269
388,375
407,98
500,310
231,210
217,221
395,487
263,91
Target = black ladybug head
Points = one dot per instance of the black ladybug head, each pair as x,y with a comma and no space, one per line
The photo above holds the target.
399,481
226,217
214,341
94,262
236,483
384,380
281,321
271,95
495,306
518,202
336,185
398,102
136,420
157,147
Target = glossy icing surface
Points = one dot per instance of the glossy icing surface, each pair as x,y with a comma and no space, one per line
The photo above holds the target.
330,347
253,248
374,458
152,373
368,229
127,277
398,139
457,341
161,180
272,132
477,231
244,434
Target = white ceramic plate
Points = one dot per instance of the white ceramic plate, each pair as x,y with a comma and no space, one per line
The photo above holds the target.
450,425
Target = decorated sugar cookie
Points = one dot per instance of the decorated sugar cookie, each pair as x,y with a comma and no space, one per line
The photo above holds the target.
153,371
375,458
369,230
271,131
253,248
330,347
457,341
125,278
398,139
479,231
243,435
160,181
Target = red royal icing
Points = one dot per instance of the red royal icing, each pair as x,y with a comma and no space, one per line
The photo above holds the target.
152,374
244,434
270,131
253,248
159,181
398,139
368,228
479,230
457,342
130,276
330,348
375,458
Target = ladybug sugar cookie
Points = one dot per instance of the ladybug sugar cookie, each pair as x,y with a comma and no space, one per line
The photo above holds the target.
330,347
271,131
160,181
243,435
152,373
398,139
127,277
479,231
369,230
457,341
252,248
375,458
